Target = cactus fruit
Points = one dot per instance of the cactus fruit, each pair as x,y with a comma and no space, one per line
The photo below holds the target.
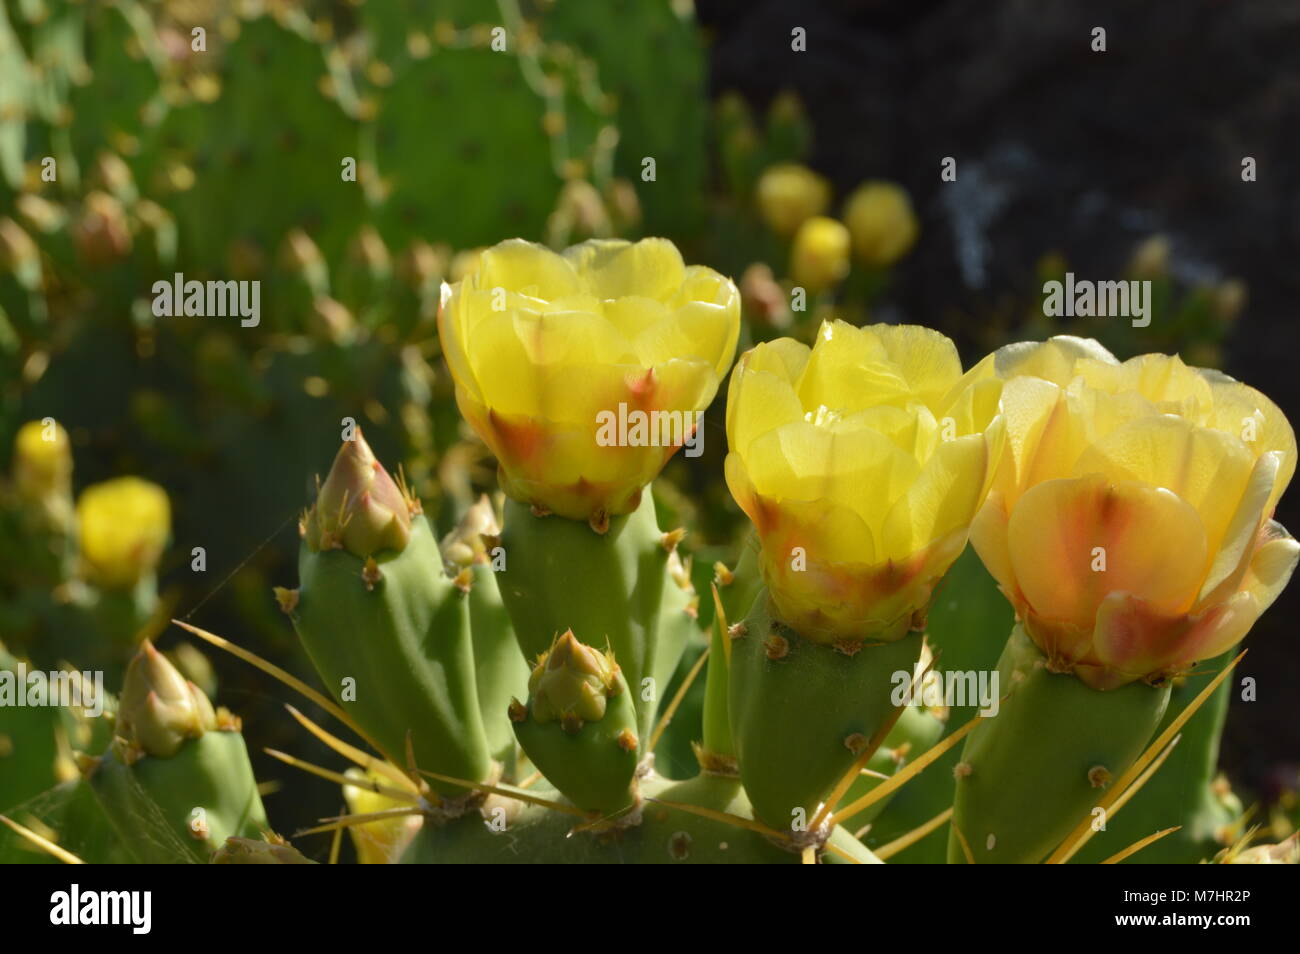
176,782
386,628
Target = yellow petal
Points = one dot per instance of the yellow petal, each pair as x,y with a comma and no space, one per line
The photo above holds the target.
1272,565
1233,552
613,268
758,402
527,268
943,498
1160,378
926,358
1246,413
1073,541
1052,360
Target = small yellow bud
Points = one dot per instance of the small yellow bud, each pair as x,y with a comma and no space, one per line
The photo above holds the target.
819,258
789,194
880,218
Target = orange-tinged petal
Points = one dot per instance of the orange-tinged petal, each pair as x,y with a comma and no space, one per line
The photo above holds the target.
1074,541
1206,468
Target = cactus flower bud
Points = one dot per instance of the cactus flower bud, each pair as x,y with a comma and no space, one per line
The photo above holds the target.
1131,522
571,683
819,258
880,218
464,545
360,508
42,461
789,194
123,524
545,348
159,709
580,726
101,234
861,462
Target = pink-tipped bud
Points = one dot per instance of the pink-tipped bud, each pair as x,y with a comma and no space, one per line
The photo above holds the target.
360,508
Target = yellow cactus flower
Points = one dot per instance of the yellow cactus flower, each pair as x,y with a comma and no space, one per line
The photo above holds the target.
789,194
123,525
819,257
584,372
1130,522
861,461
880,219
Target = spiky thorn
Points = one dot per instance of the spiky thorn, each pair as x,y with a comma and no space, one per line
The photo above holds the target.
721,575
907,840
413,503
965,845
840,853
905,774
336,846
1114,807
736,821
1139,845
369,785
670,539
1083,831
67,857
676,701
340,822
293,682
510,792
363,759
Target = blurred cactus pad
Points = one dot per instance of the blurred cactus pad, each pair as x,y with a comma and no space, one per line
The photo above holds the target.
243,516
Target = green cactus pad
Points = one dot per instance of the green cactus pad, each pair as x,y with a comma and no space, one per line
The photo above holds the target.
801,710
1028,775
181,809
665,835
399,636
